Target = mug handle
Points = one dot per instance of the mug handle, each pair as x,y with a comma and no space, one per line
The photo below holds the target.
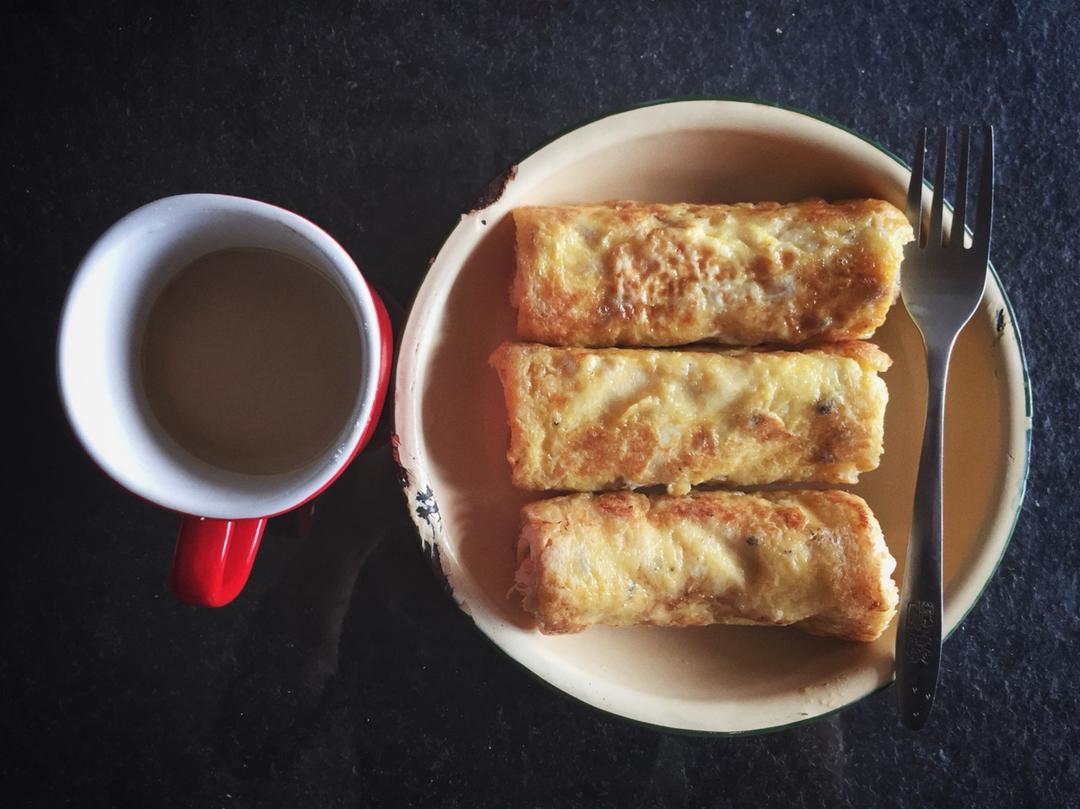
213,558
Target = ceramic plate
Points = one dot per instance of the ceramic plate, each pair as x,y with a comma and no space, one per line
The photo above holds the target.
452,434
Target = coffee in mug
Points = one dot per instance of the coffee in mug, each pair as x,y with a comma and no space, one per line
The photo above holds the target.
251,361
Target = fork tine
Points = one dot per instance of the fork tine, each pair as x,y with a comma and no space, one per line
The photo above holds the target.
956,231
985,214
933,238
915,186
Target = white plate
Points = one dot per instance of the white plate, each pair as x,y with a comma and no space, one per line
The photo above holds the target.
452,435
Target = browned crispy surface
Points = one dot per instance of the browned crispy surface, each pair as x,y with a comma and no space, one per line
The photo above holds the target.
593,419
809,558
631,273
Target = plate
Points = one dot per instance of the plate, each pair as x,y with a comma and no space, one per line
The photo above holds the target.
451,433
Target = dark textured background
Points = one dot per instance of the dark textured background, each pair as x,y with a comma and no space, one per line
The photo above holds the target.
381,122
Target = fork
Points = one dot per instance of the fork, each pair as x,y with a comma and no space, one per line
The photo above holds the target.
942,285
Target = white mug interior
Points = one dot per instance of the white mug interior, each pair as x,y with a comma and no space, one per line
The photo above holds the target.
104,318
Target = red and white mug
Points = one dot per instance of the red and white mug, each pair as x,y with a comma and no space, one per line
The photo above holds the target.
223,512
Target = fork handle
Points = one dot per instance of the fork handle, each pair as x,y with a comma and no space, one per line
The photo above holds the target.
918,636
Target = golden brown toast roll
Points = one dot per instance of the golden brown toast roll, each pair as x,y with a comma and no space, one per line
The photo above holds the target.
815,559
631,273
590,419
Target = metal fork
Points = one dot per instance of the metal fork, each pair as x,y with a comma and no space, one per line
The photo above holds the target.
942,285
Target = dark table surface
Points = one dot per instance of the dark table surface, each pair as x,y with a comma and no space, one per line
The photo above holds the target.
358,683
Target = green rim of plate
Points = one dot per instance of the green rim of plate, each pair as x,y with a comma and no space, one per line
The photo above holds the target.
1027,445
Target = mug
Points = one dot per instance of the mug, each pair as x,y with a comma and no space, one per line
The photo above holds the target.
223,511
